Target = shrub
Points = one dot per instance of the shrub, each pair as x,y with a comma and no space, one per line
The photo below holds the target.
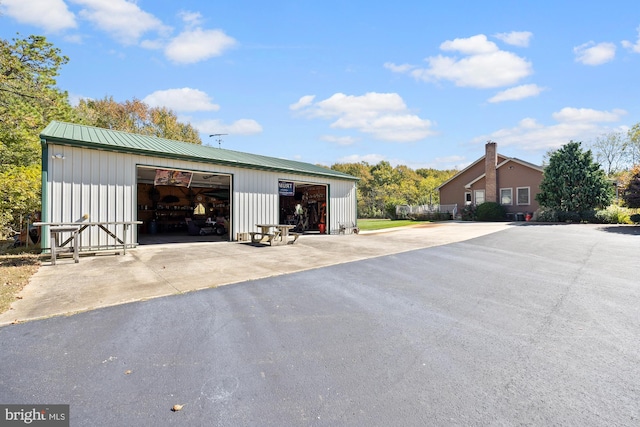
491,211
468,213
635,218
613,215
547,215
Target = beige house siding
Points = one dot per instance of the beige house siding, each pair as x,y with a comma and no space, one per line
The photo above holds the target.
510,173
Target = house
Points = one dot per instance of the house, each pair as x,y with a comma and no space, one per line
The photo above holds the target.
495,178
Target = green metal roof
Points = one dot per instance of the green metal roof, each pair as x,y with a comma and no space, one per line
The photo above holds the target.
105,139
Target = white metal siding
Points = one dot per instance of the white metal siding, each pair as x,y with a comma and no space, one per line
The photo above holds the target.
103,184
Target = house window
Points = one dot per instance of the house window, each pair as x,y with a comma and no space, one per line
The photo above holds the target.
467,198
523,195
479,194
506,196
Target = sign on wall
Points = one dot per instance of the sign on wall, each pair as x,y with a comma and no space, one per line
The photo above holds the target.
173,177
286,188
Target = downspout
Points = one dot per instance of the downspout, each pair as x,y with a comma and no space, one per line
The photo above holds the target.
44,196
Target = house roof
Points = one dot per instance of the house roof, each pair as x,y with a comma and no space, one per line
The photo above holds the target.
124,142
505,161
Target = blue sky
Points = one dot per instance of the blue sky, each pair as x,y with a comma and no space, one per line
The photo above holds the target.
418,83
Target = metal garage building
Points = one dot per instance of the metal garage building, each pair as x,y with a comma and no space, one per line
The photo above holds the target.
109,176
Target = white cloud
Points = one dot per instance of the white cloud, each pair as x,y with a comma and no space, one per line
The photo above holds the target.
123,20
569,114
50,15
382,115
239,127
183,99
305,101
340,140
191,19
403,68
197,44
634,47
517,93
372,159
578,124
515,38
483,65
595,54
475,45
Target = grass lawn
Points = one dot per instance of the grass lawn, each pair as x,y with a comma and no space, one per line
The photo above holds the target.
379,224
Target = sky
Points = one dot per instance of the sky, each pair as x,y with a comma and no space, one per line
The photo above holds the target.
418,83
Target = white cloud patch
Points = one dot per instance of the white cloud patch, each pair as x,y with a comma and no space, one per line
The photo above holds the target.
403,68
183,99
123,20
384,116
515,38
339,140
517,93
194,45
50,15
483,65
303,102
595,54
372,159
578,124
634,47
239,127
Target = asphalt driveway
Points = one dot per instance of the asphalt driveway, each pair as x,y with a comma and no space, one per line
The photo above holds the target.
531,325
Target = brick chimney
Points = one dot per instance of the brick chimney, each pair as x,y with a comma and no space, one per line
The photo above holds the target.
491,180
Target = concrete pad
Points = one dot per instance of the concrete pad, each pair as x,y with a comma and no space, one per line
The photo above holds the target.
167,269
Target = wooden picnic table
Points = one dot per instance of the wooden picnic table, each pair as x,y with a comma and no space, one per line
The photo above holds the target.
274,233
75,228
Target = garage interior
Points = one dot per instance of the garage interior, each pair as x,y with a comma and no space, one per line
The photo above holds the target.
178,206
305,207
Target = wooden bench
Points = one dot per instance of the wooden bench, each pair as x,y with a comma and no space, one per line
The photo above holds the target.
295,237
351,228
259,237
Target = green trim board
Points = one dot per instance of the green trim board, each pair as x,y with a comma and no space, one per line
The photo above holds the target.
104,139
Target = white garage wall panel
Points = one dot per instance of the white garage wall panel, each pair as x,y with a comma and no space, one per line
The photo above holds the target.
103,185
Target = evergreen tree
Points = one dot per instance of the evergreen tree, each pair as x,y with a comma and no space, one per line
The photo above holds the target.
574,185
29,100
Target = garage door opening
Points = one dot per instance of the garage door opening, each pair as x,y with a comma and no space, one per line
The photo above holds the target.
182,205
304,205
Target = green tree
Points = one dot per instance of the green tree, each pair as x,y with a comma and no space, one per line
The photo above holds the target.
573,185
136,117
29,100
631,191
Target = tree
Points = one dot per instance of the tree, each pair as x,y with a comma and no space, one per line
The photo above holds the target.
135,117
612,151
631,191
29,100
634,144
573,184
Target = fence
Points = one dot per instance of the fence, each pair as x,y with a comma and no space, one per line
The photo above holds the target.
407,211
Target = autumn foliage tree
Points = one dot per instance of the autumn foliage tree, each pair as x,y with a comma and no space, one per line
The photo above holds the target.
631,191
29,100
136,117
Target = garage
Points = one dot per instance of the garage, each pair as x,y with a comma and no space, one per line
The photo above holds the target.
176,189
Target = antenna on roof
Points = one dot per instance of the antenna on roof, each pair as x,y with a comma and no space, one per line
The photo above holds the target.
219,139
